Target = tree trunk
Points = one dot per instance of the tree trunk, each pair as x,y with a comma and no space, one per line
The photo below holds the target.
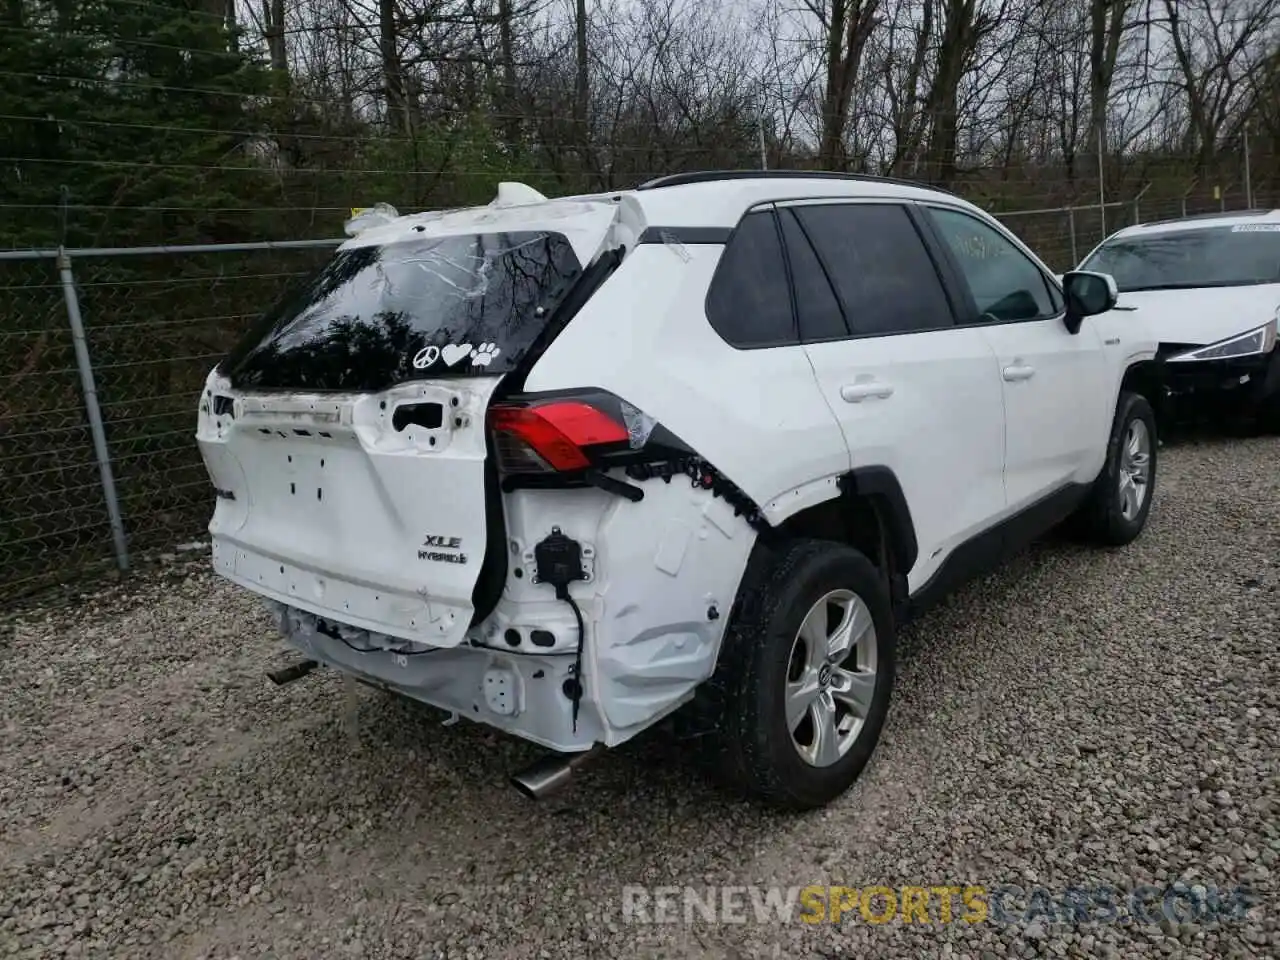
509,97
959,35
273,30
908,130
1200,135
852,22
392,72
582,89
1107,23
229,20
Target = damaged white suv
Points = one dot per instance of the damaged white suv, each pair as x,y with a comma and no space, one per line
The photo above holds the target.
572,467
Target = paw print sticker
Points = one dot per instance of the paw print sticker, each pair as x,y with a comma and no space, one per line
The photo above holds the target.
483,355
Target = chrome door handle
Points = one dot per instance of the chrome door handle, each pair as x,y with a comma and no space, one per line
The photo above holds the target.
1019,371
857,392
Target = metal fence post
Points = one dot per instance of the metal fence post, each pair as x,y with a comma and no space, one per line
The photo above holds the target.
1071,225
90,390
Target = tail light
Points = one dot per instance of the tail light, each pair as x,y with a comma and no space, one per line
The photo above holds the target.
550,437
594,435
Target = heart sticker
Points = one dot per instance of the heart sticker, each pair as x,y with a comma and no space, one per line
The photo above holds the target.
455,352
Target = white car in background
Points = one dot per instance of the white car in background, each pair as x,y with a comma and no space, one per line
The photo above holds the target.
1209,288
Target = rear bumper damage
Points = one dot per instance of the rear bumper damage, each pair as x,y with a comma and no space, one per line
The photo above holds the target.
664,575
524,694
420,620
372,511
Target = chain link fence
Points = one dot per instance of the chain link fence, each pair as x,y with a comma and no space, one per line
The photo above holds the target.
103,354
97,453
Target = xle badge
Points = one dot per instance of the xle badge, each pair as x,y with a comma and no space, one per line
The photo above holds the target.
434,545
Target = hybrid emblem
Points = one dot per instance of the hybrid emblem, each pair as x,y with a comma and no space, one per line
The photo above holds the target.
434,547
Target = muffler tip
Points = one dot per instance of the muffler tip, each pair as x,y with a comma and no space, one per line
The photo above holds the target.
549,774
524,788
544,777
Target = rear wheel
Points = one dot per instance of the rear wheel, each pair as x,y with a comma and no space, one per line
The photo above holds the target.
805,676
1117,508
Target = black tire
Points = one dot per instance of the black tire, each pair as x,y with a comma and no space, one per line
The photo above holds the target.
1100,518
1269,416
750,745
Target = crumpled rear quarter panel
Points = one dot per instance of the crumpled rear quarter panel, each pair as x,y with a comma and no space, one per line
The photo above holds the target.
666,572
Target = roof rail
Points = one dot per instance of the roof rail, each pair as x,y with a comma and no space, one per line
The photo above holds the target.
711,176
1217,215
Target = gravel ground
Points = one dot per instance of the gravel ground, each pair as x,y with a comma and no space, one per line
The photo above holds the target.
1078,718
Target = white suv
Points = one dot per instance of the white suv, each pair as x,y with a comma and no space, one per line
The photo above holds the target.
571,467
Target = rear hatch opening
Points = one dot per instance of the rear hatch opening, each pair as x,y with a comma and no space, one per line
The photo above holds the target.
347,434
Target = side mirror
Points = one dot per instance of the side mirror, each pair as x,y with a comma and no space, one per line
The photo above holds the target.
1087,294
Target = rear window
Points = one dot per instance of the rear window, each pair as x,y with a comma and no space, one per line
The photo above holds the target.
380,315
748,301
1242,255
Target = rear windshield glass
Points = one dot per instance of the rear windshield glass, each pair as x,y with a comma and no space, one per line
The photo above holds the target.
379,315
1212,257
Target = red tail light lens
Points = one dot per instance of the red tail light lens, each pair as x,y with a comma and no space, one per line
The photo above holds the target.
550,436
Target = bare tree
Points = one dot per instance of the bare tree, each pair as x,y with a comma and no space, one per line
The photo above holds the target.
847,25
1218,45
273,31
581,86
904,71
392,69
1107,21
964,25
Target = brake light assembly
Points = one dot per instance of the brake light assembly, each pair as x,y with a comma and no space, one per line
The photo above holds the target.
574,439
557,442
554,436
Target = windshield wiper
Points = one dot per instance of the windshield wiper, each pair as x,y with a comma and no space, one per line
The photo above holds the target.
1211,284
1163,286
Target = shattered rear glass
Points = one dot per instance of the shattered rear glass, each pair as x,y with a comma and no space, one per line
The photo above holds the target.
375,316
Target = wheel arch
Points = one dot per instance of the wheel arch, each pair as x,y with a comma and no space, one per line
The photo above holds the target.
869,511
1145,376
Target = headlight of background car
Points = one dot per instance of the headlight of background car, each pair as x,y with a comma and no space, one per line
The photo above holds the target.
1259,340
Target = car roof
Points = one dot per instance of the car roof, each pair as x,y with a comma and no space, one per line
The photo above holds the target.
719,198
709,198
1202,221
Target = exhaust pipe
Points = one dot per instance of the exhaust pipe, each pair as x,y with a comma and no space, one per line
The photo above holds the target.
548,774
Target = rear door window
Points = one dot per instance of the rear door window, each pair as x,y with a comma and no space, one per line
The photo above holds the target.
817,308
375,316
881,270
748,301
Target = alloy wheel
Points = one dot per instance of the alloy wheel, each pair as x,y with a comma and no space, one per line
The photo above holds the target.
1135,469
831,677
